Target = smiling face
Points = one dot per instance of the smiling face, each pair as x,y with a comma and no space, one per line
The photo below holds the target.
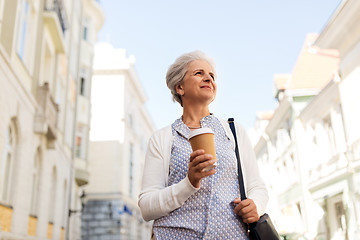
199,84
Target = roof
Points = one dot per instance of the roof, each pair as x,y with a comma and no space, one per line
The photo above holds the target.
314,67
264,115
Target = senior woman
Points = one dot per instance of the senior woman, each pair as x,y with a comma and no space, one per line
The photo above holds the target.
185,201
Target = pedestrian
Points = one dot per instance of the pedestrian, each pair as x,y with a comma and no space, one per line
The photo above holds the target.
185,201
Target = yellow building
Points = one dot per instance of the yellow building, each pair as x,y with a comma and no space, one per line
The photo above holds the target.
46,52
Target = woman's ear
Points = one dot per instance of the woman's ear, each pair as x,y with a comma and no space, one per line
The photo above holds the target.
179,90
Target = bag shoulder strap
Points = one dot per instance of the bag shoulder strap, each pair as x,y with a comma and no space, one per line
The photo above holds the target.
240,175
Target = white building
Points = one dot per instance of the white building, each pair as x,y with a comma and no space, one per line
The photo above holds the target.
316,178
334,128
46,51
283,150
120,129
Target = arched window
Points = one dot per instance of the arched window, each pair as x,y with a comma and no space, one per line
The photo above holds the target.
7,162
52,198
36,174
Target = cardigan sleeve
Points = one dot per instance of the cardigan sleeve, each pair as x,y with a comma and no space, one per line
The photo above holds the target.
255,186
156,199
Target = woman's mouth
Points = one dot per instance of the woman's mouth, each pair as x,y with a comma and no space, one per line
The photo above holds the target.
208,87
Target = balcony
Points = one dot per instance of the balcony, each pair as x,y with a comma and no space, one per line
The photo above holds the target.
57,7
81,172
325,173
55,21
46,115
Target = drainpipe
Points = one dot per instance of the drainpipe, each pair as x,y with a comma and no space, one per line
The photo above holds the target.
74,122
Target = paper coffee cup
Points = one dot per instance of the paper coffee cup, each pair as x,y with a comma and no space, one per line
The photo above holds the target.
203,138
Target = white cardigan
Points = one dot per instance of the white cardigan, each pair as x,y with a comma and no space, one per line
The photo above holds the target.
156,199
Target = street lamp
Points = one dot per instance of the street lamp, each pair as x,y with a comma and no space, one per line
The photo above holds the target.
82,199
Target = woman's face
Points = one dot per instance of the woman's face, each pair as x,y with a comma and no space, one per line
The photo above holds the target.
199,83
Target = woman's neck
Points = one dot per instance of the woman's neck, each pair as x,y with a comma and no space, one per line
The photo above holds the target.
192,116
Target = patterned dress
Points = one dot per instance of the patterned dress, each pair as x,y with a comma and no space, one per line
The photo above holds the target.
208,213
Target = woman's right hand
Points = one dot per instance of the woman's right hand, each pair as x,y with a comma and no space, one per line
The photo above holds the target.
198,161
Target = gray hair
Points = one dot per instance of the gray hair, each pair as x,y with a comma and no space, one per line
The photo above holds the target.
176,72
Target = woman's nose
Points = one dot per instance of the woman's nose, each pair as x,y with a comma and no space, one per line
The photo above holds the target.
207,78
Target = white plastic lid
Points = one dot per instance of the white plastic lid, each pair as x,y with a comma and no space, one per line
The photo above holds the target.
200,131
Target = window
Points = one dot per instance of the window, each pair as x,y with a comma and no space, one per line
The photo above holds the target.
23,30
7,163
80,143
78,147
52,197
86,29
82,86
35,184
340,216
83,83
85,33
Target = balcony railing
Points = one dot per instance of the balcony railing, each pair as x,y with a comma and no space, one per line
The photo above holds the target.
57,7
337,163
46,115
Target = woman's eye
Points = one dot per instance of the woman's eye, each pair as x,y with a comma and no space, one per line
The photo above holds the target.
197,73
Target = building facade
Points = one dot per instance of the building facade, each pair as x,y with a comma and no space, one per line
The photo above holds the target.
46,51
335,182
120,130
281,146
311,144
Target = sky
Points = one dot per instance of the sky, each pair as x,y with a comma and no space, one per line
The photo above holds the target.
249,41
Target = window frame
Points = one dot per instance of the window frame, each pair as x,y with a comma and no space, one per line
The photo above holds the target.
52,196
7,164
35,189
24,24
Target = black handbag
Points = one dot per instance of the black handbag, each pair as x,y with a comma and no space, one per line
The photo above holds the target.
262,229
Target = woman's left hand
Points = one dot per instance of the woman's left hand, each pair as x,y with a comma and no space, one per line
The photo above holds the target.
246,209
